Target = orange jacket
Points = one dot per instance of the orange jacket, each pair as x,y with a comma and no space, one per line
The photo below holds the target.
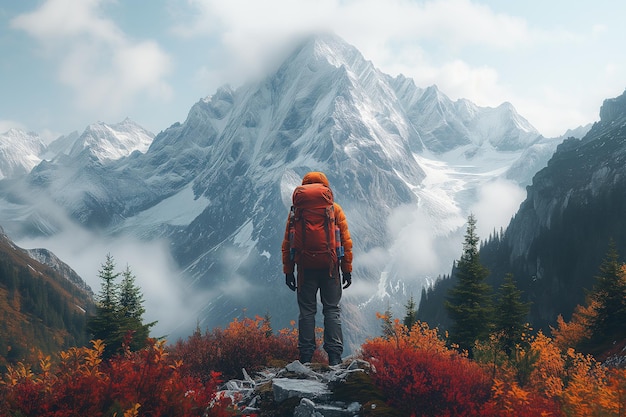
340,219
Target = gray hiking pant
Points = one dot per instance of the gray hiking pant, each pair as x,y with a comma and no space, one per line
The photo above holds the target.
330,294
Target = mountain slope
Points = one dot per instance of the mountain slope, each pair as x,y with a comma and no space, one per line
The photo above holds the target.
557,240
42,307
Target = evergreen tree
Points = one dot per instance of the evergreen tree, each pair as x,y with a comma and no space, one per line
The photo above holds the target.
609,293
510,314
132,310
469,302
387,323
131,299
105,324
119,311
410,316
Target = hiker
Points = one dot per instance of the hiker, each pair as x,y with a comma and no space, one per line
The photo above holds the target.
317,240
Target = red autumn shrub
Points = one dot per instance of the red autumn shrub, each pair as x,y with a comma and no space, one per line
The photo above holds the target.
147,382
421,377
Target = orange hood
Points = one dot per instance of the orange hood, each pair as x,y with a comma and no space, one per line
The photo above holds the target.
315,177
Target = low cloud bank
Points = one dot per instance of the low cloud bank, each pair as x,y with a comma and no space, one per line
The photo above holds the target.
167,299
422,250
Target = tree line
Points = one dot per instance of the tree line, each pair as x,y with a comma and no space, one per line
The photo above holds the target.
475,312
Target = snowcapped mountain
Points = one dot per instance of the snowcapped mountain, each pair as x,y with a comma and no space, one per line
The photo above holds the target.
19,152
407,165
72,168
111,142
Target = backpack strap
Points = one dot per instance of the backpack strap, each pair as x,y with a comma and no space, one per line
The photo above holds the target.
329,225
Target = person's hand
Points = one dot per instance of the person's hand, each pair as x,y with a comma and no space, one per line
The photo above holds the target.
290,280
347,279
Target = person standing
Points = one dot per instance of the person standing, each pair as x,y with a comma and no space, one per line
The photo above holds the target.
318,249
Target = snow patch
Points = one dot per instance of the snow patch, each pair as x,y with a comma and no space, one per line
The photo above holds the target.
243,237
178,210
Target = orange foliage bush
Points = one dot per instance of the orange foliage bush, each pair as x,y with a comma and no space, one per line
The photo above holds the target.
509,399
147,382
420,375
562,383
578,329
245,344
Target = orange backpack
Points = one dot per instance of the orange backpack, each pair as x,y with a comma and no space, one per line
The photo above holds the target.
314,238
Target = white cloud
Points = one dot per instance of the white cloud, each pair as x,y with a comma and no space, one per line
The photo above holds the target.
10,124
419,250
386,32
497,202
431,42
105,69
484,51
458,79
58,20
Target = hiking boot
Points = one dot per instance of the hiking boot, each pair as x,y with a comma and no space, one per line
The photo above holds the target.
334,359
306,358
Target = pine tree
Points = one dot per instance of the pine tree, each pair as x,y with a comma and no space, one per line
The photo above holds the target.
510,314
609,295
131,299
410,316
105,324
119,311
132,310
469,302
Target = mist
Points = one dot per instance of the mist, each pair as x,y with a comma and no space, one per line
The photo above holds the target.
422,249
166,297
498,201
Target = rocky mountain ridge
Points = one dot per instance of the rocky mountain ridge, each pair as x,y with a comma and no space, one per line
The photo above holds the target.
21,151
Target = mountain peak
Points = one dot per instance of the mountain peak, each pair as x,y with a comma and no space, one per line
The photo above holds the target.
19,152
111,142
327,47
613,109
509,112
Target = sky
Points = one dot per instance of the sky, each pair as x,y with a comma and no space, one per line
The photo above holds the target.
69,63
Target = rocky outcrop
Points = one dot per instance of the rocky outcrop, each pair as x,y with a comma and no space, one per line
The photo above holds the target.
307,389
613,109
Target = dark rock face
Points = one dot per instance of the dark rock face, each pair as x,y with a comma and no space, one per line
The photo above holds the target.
613,109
